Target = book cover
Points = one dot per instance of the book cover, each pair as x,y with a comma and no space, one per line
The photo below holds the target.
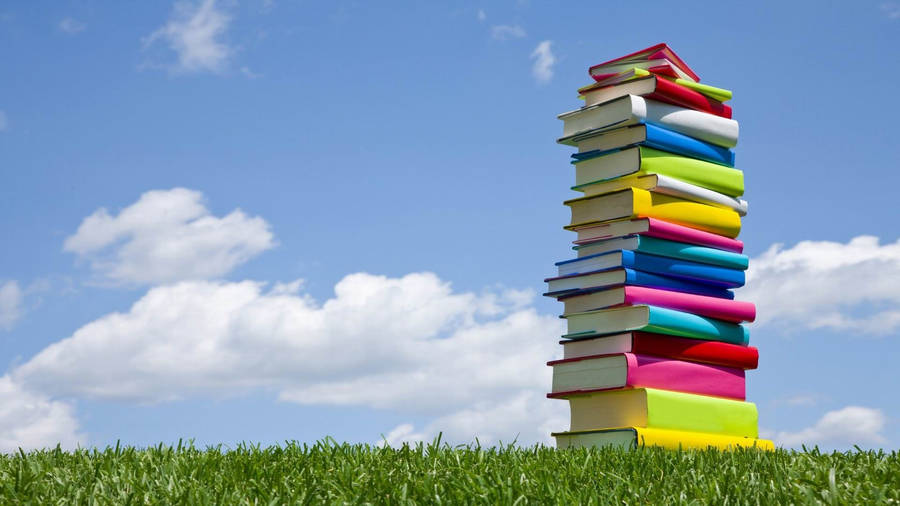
661,345
560,285
658,320
632,109
666,248
673,267
628,370
712,307
652,227
643,161
666,185
655,137
634,437
658,51
662,409
654,87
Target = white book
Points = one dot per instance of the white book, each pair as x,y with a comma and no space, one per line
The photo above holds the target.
670,186
631,110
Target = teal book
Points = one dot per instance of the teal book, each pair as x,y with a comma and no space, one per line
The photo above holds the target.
653,319
666,248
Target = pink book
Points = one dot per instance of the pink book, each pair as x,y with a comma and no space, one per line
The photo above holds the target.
713,307
657,228
629,370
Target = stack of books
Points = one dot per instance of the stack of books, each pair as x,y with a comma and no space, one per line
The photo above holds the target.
656,349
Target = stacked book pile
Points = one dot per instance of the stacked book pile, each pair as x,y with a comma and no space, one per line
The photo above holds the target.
656,349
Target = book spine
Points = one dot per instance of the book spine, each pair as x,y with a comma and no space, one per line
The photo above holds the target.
692,253
691,271
671,186
679,323
689,377
665,230
712,307
681,439
640,278
695,350
726,180
699,125
667,409
668,140
667,91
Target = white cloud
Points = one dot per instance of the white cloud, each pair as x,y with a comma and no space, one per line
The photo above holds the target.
543,57
473,362
481,15
71,26
4,122
10,304
33,421
848,426
194,33
831,285
891,10
506,32
168,235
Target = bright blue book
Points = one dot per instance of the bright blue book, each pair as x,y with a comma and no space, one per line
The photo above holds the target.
667,248
653,319
618,276
656,137
696,272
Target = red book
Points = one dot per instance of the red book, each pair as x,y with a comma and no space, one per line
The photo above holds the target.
660,345
658,52
656,88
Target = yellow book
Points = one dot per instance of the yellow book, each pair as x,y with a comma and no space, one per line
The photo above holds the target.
638,203
632,437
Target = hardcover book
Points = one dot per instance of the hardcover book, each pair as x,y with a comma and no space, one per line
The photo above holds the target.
642,161
631,110
605,372
654,319
691,271
651,136
634,437
638,203
656,88
665,248
660,51
662,409
712,307
651,227
616,276
661,345
666,185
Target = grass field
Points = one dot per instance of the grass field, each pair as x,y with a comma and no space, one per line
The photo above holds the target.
328,472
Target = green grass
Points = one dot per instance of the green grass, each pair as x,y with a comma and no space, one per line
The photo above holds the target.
328,472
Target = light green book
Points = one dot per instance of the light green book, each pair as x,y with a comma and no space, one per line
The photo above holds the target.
663,409
642,161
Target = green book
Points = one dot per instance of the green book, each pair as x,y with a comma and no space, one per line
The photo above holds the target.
663,409
642,161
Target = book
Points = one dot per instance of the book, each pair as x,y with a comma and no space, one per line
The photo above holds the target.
653,136
616,276
666,185
711,275
665,248
713,93
642,160
662,409
661,345
606,372
654,319
631,110
635,437
655,52
653,87
638,203
651,227
713,307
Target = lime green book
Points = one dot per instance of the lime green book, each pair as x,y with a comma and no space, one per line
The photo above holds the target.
642,161
662,409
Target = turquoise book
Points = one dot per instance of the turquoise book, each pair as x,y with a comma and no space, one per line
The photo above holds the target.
653,319
666,248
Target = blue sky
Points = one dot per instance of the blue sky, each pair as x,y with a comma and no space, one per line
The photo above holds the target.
172,171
